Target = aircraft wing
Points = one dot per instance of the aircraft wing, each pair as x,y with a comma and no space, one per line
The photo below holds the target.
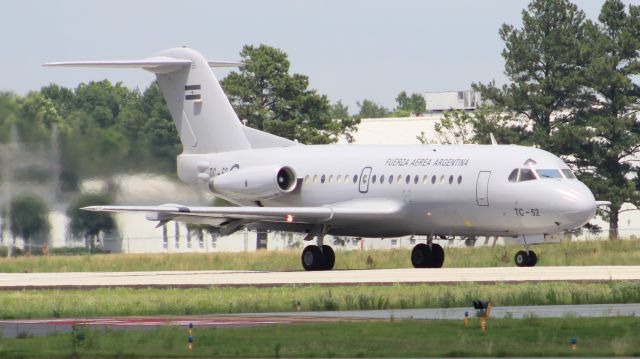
338,213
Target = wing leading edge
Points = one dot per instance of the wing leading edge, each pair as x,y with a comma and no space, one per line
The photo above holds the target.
339,213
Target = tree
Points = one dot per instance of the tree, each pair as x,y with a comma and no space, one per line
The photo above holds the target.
573,93
407,105
544,60
604,149
270,99
370,109
29,219
456,127
90,225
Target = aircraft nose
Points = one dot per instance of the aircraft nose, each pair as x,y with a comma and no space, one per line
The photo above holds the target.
578,203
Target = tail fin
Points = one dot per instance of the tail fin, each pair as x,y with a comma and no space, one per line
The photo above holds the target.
201,111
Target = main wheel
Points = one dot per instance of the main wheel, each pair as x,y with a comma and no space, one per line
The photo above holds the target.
329,257
521,259
532,259
420,255
312,258
436,256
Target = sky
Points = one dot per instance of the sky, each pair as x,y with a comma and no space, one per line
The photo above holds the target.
350,50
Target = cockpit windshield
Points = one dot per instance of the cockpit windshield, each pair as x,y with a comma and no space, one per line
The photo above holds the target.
548,173
568,174
530,174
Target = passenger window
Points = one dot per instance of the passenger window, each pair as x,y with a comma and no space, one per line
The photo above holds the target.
425,179
441,179
433,179
459,179
315,178
355,178
373,179
339,179
398,179
407,179
390,179
322,179
306,179
513,176
451,179
382,179
416,179
330,178
526,174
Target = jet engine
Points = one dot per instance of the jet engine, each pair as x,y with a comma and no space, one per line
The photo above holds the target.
255,183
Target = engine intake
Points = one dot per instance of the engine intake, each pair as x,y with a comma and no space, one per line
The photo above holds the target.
255,183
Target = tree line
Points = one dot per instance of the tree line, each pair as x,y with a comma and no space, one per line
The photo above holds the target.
573,90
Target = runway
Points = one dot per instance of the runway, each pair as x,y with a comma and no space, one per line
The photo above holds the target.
196,279
12,328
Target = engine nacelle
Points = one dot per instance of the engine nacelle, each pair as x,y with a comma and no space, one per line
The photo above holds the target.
255,183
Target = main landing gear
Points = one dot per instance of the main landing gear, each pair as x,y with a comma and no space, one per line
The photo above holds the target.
318,257
430,255
526,258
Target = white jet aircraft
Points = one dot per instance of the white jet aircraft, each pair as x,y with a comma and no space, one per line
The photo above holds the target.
351,190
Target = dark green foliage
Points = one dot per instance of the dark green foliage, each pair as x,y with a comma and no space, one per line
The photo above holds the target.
29,218
407,105
574,92
87,224
269,98
370,109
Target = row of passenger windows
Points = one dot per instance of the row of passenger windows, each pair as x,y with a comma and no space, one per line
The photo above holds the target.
529,174
381,179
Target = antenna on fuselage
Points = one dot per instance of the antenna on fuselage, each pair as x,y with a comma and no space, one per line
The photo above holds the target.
493,139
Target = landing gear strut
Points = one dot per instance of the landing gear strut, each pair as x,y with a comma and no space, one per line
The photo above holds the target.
429,255
318,257
526,258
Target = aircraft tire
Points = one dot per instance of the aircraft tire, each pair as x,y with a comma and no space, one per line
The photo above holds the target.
329,257
436,256
532,259
420,256
312,258
521,259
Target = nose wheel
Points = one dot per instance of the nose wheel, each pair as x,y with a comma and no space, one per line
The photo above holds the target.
427,256
526,258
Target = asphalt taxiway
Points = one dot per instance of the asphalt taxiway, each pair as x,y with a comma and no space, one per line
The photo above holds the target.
186,279
13,328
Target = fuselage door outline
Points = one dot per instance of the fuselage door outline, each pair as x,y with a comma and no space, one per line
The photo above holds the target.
482,188
364,180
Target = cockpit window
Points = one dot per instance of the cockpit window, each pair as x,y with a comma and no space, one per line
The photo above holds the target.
526,174
513,177
568,174
548,173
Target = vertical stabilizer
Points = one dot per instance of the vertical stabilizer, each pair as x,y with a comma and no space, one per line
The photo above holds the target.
201,111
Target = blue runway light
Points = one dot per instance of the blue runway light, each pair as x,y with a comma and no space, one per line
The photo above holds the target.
190,325
190,339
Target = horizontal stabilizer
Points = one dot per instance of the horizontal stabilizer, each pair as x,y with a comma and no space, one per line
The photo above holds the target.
157,64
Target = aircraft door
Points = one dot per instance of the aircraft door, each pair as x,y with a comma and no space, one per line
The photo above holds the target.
364,180
482,188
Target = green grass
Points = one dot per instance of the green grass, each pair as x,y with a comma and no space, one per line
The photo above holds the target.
411,338
155,301
619,252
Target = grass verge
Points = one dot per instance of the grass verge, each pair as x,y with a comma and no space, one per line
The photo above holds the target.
619,252
504,337
155,301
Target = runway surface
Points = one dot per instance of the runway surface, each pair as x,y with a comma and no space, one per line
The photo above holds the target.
11,328
188,279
